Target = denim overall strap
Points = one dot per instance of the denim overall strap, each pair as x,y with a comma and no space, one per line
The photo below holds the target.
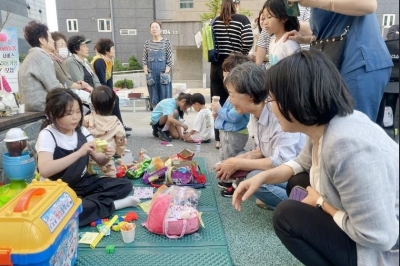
158,83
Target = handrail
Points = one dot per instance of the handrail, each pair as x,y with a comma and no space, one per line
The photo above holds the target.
128,72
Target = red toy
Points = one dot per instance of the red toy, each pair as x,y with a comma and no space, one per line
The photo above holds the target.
130,216
121,170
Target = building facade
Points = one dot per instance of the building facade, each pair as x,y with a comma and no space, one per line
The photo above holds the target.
17,13
127,22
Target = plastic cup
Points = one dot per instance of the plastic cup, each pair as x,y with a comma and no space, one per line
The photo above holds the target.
21,109
215,99
129,236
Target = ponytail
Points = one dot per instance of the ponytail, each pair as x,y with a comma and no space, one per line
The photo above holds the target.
227,10
184,96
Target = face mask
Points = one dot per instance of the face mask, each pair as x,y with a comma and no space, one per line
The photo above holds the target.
63,52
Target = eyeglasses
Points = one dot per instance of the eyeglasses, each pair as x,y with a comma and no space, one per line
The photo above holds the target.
268,103
236,1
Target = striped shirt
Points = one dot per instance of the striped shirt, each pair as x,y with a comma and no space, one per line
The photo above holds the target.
151,45
235,37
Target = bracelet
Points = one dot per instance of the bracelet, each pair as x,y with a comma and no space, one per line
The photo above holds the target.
320,203
331,7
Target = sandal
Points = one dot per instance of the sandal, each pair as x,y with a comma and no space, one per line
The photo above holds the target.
218,145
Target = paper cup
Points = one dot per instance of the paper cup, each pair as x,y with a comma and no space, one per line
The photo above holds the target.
215,99
21,109
128,236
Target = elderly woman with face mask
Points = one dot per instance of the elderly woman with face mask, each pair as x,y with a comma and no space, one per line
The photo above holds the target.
157,64
58,56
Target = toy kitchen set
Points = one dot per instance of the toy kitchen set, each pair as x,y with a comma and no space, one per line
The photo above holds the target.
38,221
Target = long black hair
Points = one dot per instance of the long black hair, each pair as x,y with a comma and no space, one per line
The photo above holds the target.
277,9
57,103
188,98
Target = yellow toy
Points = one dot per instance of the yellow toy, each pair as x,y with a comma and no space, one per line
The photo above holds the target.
40,224
101,145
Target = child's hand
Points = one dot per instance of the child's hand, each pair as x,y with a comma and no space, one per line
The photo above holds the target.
87,148
109,151
185,127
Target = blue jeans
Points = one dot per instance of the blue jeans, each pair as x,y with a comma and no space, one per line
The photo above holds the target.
271,195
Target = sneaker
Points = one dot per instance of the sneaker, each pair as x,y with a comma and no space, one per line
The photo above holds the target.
155,131
164,136
261,204
224,185
206,141
127,128
227,192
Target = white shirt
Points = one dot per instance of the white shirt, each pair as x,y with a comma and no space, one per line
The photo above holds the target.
279,49
45,141
204,124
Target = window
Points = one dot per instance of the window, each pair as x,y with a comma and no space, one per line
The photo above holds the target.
186,4
104,25
72,25
388,20
128,32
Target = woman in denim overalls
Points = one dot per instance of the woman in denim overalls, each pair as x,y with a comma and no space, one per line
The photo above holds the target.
157,63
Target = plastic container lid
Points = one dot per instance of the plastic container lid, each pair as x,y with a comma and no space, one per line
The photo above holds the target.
15,134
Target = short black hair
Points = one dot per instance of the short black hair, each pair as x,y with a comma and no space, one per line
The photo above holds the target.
74,43
103,100
248,78
278,9
104,45
308,87
34,31
233,60
198,98
57,102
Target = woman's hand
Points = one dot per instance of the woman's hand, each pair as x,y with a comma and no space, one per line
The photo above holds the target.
296,36
87,148
226,169
215,106
245,189
312,197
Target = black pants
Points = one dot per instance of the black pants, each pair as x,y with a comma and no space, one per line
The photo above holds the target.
217,86
98,196
311,234
116,111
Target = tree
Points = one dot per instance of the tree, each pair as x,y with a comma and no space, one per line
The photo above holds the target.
214,10
134,64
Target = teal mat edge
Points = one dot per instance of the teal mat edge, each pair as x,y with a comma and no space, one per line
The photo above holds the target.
187,256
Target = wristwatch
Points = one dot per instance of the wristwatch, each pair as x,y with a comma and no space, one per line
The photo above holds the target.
320,202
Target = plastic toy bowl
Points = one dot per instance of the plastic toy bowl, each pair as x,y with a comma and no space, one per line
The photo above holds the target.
20,167
15,134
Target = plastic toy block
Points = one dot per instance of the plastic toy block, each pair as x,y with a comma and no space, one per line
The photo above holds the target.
110,249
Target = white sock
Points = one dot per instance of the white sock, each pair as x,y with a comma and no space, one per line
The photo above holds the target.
165,128
129,201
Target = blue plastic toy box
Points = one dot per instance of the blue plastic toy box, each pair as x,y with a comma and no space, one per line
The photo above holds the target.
40,226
